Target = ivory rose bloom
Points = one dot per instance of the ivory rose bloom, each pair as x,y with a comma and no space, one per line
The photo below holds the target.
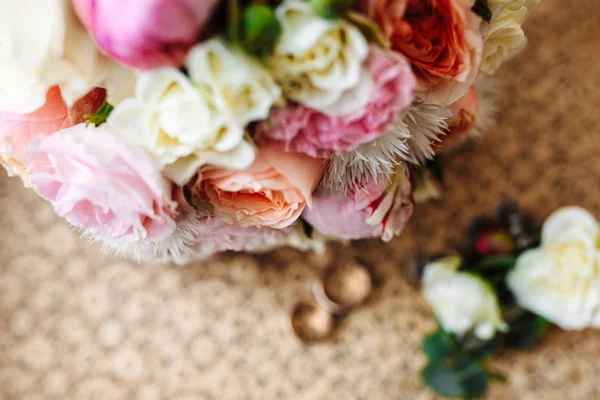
102,186
238,83
439,37
319,62
560,280
272,192
146,34
18,130
301,129
464,112
42,44
180,126
503,37
373,209
461,301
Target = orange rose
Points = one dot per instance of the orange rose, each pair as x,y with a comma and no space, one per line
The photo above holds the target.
464,112
440,38
272,192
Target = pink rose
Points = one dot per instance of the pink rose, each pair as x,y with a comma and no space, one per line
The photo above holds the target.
215,236
464,112
439,37
301,129
146,34
373,209
17,130
272,192
102,186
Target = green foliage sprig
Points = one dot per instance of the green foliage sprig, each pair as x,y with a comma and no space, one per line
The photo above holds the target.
456,369
255,28
100,116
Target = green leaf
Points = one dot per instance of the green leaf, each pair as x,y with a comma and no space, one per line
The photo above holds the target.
100,116
368,28
260,29
497,262
438,346
483,349
443,380
332,8
526,331
472,376
496,376
482,9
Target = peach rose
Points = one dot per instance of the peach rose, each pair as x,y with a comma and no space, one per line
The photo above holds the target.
464,112
272,192
17,130
440,38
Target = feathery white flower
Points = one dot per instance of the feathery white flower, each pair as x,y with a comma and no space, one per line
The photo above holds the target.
409,139
176,248
426,123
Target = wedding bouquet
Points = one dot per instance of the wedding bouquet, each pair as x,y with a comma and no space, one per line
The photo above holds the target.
173,130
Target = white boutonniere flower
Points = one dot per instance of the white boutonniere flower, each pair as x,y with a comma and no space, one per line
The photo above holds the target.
319,62
461,301
560,280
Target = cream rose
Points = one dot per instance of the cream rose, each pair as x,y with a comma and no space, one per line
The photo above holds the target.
238,83
319,62
503,37
43,44
181,126
560,280
461,301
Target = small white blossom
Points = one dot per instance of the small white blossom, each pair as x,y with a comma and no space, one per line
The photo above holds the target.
461,301
238,83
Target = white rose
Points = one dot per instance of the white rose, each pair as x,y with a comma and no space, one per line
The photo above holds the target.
461,301
43,44
181,126
238,83
319,62
503,37
560,280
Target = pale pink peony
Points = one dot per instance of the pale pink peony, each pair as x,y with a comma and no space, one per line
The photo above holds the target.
17,130
102,186
373,209
272,192
146,34
440,38
215,236
302,129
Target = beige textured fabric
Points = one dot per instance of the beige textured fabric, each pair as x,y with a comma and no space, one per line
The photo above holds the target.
76,324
